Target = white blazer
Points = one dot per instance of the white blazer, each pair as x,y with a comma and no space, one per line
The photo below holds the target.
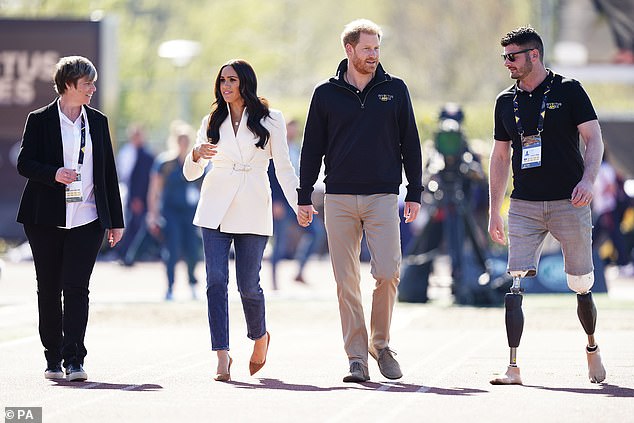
236,194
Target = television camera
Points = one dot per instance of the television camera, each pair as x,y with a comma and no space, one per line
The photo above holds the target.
454,183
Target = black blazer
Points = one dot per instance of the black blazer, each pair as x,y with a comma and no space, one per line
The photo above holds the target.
140,177
41,154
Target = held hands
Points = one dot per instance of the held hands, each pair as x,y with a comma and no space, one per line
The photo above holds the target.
114,236
305,215
65,176
205,151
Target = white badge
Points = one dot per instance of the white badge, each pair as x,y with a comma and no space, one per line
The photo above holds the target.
74,190
531,151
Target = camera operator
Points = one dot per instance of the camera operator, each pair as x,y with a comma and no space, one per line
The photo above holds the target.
455,184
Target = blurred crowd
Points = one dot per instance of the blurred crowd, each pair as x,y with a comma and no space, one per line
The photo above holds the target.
160,203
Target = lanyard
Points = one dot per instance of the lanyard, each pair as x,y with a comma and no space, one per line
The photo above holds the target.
82,145
542,112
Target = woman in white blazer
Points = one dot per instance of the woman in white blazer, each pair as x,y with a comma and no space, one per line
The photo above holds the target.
236,141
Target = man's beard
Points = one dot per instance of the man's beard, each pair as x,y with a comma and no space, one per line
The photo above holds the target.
362,67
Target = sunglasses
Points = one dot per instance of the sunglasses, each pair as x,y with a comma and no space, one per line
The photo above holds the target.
511,56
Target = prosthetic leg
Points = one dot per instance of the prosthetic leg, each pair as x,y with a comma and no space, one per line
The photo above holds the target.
587,313
514,319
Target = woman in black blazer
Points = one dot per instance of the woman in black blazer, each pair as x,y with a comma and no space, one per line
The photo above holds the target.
71,197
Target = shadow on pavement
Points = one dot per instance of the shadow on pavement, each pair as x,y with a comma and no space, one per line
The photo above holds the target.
367,386
421,389
606,390
456,391
278,384
146,387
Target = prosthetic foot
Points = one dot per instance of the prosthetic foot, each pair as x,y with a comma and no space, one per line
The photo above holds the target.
587,313
511,377
596,371
514,319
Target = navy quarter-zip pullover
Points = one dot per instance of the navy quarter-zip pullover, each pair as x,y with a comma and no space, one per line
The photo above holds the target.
365,138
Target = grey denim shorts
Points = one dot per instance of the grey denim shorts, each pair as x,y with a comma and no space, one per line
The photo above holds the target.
530,222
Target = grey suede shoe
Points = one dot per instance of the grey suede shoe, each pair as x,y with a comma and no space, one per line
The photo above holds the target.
358,373
388,365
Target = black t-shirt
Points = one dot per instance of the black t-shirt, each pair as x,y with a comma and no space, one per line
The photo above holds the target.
561,168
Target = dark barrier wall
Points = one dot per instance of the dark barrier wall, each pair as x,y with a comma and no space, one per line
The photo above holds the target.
29,50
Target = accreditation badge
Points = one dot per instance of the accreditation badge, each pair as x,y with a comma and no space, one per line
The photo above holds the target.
74,190
531,151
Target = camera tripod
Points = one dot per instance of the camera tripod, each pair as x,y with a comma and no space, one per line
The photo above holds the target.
452,223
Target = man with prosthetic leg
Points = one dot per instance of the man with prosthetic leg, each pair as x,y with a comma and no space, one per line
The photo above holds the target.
539,122
514,318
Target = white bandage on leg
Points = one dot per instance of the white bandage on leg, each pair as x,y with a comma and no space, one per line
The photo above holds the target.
580,284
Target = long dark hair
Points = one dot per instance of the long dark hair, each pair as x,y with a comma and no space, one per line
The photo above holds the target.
257,107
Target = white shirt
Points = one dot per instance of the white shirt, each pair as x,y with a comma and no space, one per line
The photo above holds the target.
85,211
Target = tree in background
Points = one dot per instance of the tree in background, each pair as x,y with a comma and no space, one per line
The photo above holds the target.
445,49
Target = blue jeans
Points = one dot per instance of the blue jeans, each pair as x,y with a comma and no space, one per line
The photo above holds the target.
181,239
249,249
312,239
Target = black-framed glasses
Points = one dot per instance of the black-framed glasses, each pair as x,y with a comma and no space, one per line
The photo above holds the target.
511,56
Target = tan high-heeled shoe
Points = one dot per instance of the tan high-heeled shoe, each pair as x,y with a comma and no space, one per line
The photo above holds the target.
255,367
224,377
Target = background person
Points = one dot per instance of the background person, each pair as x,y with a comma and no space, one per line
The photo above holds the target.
311,237
620,17
172,204
71,196
361,123
134,163
607,215
237,140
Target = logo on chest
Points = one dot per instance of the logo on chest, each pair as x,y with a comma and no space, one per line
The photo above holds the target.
553,106
385,97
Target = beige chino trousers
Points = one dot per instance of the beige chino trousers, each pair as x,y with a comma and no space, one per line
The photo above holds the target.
347,217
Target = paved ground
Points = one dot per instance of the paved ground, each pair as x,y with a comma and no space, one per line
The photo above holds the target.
150,361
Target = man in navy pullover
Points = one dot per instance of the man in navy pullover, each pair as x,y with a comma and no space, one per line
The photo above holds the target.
361,123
